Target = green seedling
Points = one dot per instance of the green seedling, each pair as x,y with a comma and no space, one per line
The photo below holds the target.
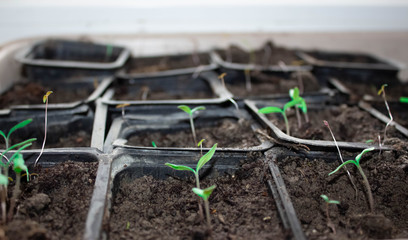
203,160
190,113
3,195
382,93
329,201
14,128
356,162
294,93
403,99
221,77
205,194
341,157
154,144
248,84
296,101
45,100
200,145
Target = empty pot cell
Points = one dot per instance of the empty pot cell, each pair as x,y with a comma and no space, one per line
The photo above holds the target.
29,93
227,132
349,124
54,203
163,63
162,88
62,131
267,55
268,83
306,178
154,201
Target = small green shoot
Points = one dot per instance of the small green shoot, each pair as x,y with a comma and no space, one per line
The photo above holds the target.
296,101
403,99
18,167
329,201
200,144
154,144
45,100
294,93
205,194
382,93
127,225
14,128
356,162
248,84
190,113
221,77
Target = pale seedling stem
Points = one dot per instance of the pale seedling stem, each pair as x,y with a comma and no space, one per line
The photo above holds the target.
328,201
200,144
45,100
341,157
248,84
382,92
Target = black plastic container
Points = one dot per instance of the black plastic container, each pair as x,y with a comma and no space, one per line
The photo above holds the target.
359,67
55,59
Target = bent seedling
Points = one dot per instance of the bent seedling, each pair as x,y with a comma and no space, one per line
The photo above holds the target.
356,162
221,77
329,201
382,93
45,100
190,113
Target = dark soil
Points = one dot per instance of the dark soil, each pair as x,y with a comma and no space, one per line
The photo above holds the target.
358,90
54,205
387,174
266,84
227,133
157,64
349,124
32,93
240,207
267,55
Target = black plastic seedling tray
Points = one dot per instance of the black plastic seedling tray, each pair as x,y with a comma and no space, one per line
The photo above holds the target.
167,65
55,59
174,88
128,164
359,67
168,119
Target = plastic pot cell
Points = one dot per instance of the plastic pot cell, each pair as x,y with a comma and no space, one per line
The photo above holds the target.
157,210
167,87
54,203
169,128
352,126
168,64
360,67
268,58
63,130
66,94
54,59
306,177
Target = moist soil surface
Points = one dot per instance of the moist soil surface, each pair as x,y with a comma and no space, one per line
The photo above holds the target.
266,84
240,207
306,179
350,124
227,133
267,55
54,204
32,93
157,64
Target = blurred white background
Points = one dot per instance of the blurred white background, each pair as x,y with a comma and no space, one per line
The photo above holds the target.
29,18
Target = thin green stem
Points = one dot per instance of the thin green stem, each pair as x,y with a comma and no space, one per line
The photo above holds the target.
193,129
368,188
45,134
207,213
286,123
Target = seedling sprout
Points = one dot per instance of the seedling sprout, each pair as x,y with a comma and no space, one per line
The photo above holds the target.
356,162
205,194
45,100
221,77
382,93
122,106
329,201
190,112
200,144
154,144
404,99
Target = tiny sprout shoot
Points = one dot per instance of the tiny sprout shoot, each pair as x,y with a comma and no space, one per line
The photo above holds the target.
296,101
326,123
122,106
190,113
356,162
329,201
200,144
18,167
369,141
45,100
382,93
221,77
403,99
14,128
294,93
127,225
248,84
205,194
154,144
